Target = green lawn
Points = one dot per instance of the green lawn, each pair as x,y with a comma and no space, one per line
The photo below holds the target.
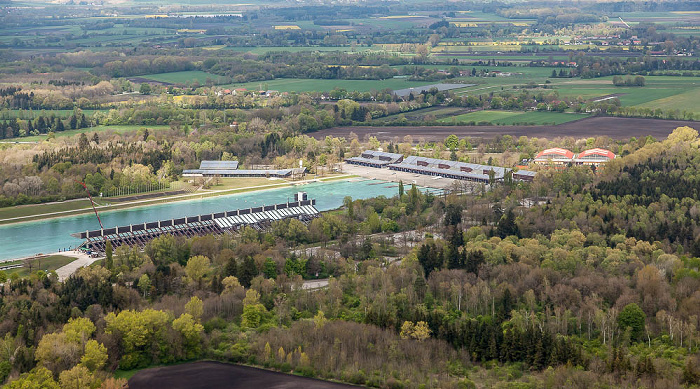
184,77
116,129
49,263
37,209
318,85
515,117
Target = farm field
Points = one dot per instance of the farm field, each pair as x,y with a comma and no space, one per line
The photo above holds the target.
515,117
613,127
664,92
184,77
320,85
118,129
296,49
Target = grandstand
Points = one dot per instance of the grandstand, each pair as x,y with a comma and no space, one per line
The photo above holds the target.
376,159
230,169
459,170
258,218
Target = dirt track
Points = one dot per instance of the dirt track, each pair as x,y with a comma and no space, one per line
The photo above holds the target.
221,375
616,128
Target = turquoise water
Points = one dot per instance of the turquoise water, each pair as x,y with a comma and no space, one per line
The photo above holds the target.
45,236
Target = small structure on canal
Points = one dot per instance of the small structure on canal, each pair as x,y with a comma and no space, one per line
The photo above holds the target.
219,223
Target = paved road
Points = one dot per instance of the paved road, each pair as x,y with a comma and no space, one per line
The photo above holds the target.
81,261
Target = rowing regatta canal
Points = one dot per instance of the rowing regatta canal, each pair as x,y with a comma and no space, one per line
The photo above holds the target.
47,236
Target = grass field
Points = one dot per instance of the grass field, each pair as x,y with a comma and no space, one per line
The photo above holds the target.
116,129
318,85
665,92
267,49
515,117
185,77
49,263
240,182
37,209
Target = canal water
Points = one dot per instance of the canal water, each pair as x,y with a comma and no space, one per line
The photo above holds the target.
45,236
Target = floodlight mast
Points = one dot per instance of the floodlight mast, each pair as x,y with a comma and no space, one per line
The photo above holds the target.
91,203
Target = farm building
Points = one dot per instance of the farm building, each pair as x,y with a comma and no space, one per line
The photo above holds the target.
258,218
458,170
373,158
594,157
230,169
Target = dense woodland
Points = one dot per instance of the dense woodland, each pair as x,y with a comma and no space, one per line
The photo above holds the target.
586,288
584,278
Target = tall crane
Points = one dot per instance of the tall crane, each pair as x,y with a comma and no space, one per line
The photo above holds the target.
91,202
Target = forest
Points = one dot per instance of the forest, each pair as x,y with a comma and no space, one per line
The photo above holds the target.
585,288
586,277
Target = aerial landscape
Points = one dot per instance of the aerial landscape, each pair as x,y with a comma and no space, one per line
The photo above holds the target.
333,194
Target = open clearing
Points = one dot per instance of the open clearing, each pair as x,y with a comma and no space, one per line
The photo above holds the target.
183,77
515,117
117,129
616,128
203,375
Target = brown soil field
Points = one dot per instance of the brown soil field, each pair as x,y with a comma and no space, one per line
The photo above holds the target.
614,127
210,375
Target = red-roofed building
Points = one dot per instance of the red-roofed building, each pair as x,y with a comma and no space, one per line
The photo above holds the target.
594,157
555,156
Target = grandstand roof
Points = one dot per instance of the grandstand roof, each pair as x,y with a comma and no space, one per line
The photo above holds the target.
218,165
380,154
555,152
434,165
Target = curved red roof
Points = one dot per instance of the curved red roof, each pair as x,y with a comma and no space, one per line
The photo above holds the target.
597,153
555,152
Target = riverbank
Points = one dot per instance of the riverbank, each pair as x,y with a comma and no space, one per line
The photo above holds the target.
166,199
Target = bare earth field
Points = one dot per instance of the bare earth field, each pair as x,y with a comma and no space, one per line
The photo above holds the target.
207,375
616,128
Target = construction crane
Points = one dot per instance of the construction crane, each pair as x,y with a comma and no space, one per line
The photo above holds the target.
624,22
91,202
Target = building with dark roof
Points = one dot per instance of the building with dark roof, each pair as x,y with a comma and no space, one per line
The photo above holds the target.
377,159
459,170
230,169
